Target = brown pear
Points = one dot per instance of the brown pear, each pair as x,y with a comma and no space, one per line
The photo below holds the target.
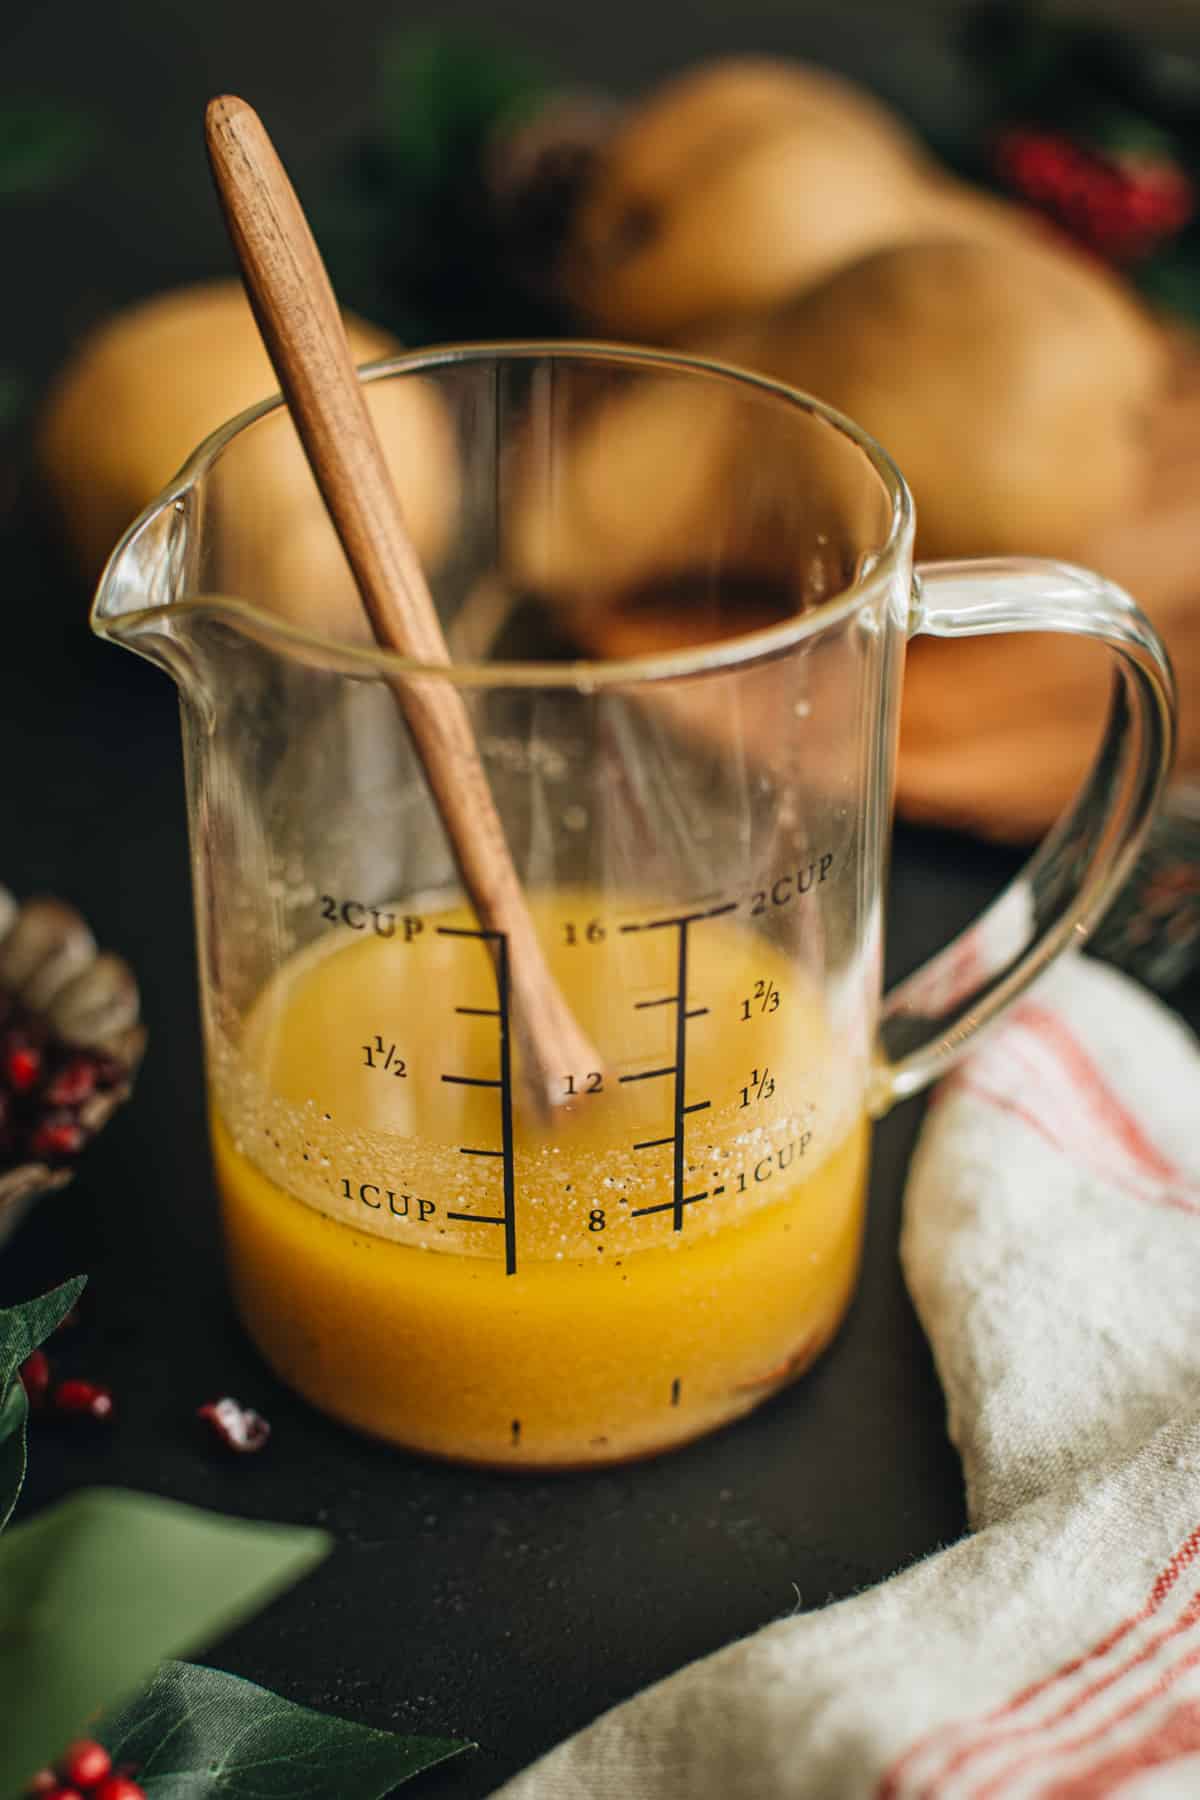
150,384
1011,384
682,503
734,96
742,182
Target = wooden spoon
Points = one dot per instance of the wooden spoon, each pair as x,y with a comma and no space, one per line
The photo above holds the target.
302,329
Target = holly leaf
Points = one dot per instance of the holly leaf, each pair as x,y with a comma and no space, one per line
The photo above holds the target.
95,1592
22,1329
14,1410
198,1733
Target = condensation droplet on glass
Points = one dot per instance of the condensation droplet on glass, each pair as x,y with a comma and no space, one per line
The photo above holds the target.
575,818
802,708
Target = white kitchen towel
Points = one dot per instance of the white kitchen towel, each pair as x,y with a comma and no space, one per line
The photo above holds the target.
1052,1247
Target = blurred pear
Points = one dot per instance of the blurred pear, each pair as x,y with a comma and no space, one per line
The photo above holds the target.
1013,386
744,181
145,389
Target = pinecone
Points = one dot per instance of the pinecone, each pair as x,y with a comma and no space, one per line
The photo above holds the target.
70,1045
535,167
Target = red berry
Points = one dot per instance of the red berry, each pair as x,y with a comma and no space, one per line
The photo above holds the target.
44,1782
237,1427
83,1398
55,1136
85,1763
58,1792
35,1376
74,1082
118,1787
1120,205
23,1066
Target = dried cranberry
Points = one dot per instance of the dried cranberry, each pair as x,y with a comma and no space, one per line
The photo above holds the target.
35,1377
57,1135
85,1764
73,1083
23,1066
237,1427
76,1398
107,1069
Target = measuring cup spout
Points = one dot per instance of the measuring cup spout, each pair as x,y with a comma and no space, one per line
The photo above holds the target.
144,579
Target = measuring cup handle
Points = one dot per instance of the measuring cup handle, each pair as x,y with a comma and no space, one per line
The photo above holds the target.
930,1019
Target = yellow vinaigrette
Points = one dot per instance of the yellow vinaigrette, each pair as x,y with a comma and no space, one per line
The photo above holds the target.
372,1214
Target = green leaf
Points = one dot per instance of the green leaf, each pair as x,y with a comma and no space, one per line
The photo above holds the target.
197,1733
41,146
96,1591
22,1329
13,1456
439,93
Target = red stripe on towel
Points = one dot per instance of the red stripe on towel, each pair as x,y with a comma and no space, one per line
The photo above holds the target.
1041,1753
892,1784
1176,1735
1115,1117
1083,1116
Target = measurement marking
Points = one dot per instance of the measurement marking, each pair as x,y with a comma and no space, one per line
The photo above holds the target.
717,1191
683,919
675,1392
681,986
506,1111
683,1012
640,1212
503,1084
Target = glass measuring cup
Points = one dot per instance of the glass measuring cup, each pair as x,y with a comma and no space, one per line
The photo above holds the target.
701,833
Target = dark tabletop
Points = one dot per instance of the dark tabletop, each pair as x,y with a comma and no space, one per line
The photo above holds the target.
507,1609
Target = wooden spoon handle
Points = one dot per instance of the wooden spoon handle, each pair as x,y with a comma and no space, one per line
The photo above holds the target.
302,329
